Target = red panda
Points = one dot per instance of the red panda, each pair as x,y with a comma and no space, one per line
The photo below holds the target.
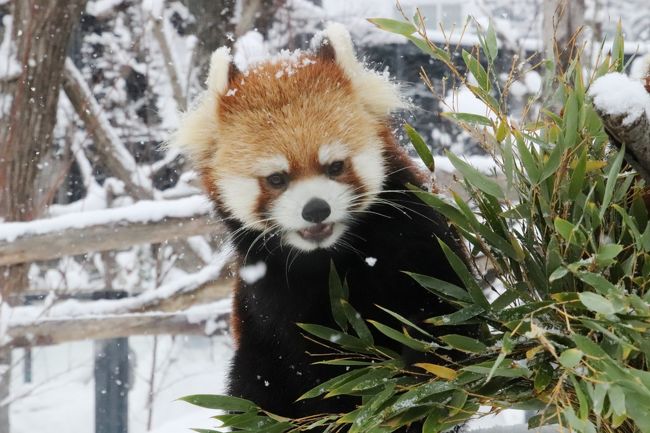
298,156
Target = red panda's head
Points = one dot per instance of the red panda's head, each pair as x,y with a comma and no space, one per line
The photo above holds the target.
294,145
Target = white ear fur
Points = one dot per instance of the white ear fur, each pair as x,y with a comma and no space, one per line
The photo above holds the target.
376,91
197,131
219,68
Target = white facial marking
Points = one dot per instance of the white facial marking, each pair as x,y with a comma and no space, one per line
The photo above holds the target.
240,197
272,164
369,166
287,210
329,153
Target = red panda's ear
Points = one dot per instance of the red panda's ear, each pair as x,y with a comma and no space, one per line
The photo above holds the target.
197,133
379,94
221,70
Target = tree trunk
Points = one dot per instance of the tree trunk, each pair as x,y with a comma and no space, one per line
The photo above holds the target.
41,32
41,29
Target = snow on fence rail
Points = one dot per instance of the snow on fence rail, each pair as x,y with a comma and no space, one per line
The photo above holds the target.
170,309
109,229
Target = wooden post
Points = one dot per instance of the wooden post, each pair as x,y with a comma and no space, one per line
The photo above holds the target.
112,386
112,380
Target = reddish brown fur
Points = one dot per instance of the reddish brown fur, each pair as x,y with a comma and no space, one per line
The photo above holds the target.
290,115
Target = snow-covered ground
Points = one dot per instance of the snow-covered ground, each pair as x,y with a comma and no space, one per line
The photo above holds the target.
61,395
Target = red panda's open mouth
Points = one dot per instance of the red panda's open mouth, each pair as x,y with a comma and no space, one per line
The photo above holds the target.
317,232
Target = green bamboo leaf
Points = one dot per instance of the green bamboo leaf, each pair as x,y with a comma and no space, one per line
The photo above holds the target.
394,26
617,399
477,70
491,45
597,303
337,295
607,253
457,317
430,49
570,121
543,376
475,177
612,177
405,321
464,344
618,48
433,422
571,233
420,147
324,387
498,372
466,277
469,118
333,336
485,97
222,402
371,378
553,162
558,273
417,394
355,319
367,416
571,357
402,338
440,287
452,213
527,158
638,408
578,176
598,282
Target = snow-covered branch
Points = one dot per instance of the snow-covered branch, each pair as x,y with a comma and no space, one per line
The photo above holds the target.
142,223
624,106
108,144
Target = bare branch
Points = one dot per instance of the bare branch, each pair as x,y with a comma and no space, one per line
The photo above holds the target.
170,65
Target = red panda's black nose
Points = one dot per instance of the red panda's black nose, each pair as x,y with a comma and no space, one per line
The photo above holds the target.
316,210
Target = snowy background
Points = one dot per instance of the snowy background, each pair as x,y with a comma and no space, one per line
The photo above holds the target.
134,65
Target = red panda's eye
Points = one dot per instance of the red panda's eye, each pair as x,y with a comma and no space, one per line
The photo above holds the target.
278,180
335,168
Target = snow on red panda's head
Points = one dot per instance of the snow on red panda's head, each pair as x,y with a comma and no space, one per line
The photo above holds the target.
293,145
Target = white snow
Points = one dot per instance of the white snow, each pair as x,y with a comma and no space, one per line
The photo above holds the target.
640,67
462,100
617,94
70,309
10,67
483,163
61,395
371,261
141,212
100,7
253,273
250,49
